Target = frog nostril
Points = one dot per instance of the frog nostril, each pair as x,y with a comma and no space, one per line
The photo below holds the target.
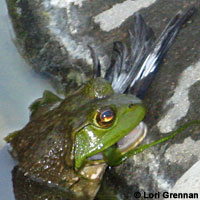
130,105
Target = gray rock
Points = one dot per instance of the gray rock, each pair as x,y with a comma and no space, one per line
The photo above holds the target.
189,182
54,35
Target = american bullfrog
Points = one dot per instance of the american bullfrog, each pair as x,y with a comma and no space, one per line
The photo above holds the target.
68,143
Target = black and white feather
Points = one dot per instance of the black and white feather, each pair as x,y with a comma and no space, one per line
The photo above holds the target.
133,72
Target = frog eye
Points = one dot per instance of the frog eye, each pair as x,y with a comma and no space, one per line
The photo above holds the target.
105,117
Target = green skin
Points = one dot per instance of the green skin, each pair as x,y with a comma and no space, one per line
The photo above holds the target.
54,147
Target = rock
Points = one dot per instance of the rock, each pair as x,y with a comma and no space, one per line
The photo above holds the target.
189,182
54,37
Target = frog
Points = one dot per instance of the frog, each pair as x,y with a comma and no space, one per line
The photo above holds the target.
69,142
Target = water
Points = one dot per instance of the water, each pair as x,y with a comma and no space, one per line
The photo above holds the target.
19,86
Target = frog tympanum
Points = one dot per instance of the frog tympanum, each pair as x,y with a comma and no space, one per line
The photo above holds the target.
68,143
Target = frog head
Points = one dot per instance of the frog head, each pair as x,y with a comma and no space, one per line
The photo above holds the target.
105,121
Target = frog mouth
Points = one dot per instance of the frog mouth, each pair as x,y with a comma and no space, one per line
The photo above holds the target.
128,142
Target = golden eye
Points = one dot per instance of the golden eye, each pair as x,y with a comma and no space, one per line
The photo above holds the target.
105,117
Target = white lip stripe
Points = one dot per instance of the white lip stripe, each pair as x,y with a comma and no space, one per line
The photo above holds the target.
114,17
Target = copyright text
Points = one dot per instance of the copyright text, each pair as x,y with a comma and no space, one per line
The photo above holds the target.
166,195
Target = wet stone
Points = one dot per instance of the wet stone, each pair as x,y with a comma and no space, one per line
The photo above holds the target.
54,37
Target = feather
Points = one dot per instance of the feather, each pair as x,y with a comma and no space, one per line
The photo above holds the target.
134,73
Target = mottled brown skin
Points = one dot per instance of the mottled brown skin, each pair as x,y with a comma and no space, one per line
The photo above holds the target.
53,148
44,148
26,188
